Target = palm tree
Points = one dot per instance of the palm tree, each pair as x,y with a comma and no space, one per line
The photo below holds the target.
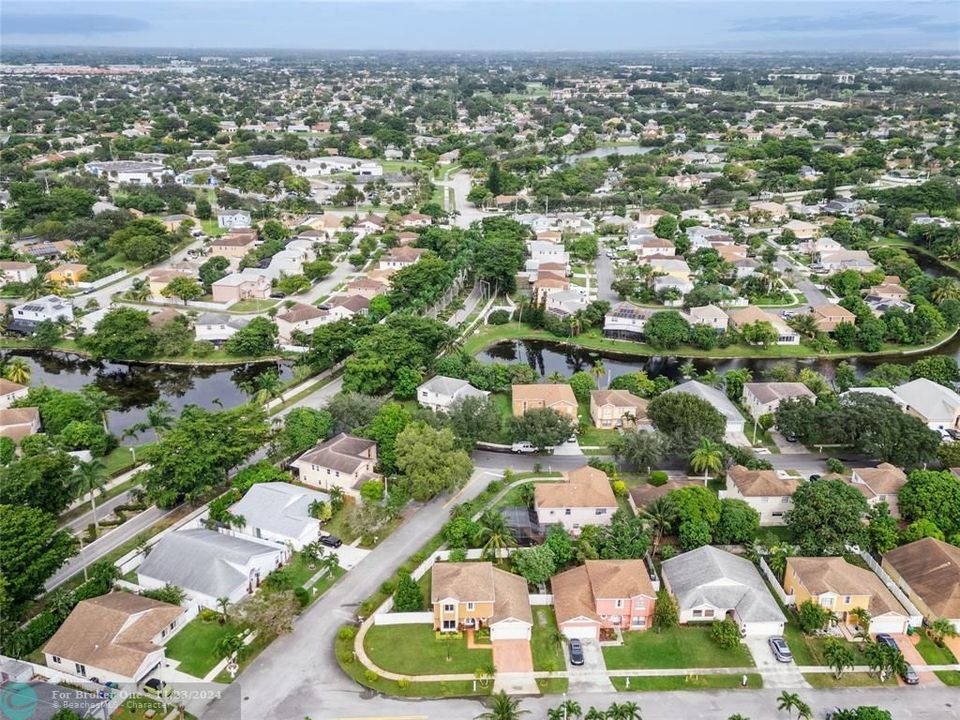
945,288
503,707
91,477
707,457
494,535
159,416
37,287
838,655
788,701
223,603
594,714
804,324
688,370
861,618
941,628
712,378
624,711
568,710
598,370
17,371
100,401
874,656
662,514
139,290
556,377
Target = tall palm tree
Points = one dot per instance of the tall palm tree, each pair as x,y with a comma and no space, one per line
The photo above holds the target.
624,711
159,417
788,701
804,324
707,458
17,371
712,378
945,288
139,290
838,655
598,370
556,377
662,514
494,535
503,707
37,287
569,710
595,714
91,477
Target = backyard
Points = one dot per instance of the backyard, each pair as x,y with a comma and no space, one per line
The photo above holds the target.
415,650
681,647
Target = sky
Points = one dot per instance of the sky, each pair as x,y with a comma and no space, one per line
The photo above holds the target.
487,25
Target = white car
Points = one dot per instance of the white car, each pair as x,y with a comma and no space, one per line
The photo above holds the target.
523,447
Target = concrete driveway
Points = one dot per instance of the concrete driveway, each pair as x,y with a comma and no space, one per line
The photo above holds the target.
350,556
913,657
591,677
775,674
571,447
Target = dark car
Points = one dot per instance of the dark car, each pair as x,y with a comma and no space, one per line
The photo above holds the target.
331,541
910,676
780,649
576,652
814,477
887,640
155,686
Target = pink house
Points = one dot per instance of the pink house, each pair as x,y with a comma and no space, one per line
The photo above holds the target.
603,594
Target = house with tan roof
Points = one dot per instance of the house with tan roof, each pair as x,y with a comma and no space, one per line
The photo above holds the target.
539,396
889,289
345,461
763,490
880,484
18,423
641,496
841,587
603,594
68,274
617,408
233,246
367,287
928,572
751,314
249,283
763,398
829,315
300,317
400,257
13,271
802,229
583,497
117,637
474,595
548,283
709,315
159,278
10,392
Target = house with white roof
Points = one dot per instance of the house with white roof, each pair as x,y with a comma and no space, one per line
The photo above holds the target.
937,405
718,399
279,512
440,393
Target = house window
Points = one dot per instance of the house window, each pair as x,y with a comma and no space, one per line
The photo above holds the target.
448,608
639,622
619,604
826,601
698,613
600,511
568,511
56,660
708,613
470,606
449,624
846,600
81,669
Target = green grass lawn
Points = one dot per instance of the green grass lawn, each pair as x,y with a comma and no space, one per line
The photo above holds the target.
850,679
253,305
685,682
120,458
553,686
808,650
415,650
589,434
504,406
932,653
195,646
681,647
547,652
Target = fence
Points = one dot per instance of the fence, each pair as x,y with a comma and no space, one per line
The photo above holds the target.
544,599
775,584
403,618
916,617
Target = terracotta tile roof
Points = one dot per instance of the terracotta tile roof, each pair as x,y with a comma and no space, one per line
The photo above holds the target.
761,483
932,569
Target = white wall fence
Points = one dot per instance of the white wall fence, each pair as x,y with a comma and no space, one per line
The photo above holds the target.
775,584
541,599
916,617
403,618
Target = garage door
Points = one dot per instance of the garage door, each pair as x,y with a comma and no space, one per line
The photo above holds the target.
509,631
764,629
888,625
581,632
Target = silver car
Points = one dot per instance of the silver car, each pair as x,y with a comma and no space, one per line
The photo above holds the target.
781,650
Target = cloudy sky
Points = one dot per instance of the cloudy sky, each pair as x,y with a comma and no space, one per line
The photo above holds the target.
507,25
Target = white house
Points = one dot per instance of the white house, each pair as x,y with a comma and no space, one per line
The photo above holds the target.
129,171
300,317
584,497
625,321
13,271
763,398
763,490
50,307
345,461
217,328
938,406
280,512
439,393
10,392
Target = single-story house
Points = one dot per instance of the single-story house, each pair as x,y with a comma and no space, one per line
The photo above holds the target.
280,512
626,321
709,315
734,420
617,408
300,317
711,584
928,572
763,490
584,497
937,405
18,423
473,595
10,392
440,393
217,328
763,398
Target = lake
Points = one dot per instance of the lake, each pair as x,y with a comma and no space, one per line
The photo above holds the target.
605,151
136,387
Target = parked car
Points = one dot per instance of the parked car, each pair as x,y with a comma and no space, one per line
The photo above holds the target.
523,447
781,651
576,652
887,640
910,676
331,541
155,686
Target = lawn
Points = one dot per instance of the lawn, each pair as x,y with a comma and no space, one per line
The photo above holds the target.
415,650
932,653
808,650
686,682
504,406
547,652
195,646
589,434
301,570
120,458
850,679
681,647
253,305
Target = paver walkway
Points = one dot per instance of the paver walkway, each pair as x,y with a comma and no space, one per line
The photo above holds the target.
913,657
512,656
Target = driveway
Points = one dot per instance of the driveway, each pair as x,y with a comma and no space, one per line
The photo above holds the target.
775,674
913,657
591,677
350,555
512,656
571,447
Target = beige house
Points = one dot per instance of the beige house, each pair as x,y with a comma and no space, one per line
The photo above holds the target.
763,398
709,315
928,572
233,246
345,461
802,230
12,271
840,587
880,484
829,315
583,498
300,318
367,287
473,595
540,396
10,392
763,490
740,317
159,279
400,257
251,283
18,423
617,408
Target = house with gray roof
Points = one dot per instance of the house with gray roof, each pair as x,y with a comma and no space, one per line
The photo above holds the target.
280,512
344,461
439,393
208,565
718,399
218,327
711,584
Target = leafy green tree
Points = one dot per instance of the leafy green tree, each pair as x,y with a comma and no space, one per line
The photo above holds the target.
641,448
625,538
430,461
303,428
386,426
666,227
666,330
542,428
684,419
124,333
738,522
257,339
725,634
812,617
212,270
582,384
882,529
31,550
665,612
473,419
827,515
933,496
352,411
183,287
45,480
536,564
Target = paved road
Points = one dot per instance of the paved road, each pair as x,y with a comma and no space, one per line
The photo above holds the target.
297,675
605,278
466,213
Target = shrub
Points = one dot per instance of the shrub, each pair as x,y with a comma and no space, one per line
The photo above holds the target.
498,317
619,488
347,632
812,617
202,348
208,615
658,478
403,683
370,676
834,465
408,596
302,595
458,555
726,634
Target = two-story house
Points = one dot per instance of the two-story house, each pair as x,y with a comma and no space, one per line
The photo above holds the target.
233,246
27,316
928,572
14,271
763,490
709,315
618,408
763,398
230,219
880,484
474,595
344,461
603,594
300,317
400,257
626,321
247,284
540,396
584,497
440,393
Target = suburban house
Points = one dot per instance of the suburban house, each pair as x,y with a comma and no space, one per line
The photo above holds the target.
249,283
233,246
543,251
10,392
217,328
26,317
763,398
343,307
473,595
300,317
540,396
208,565
937,405
14,271
548,283
400,257
415,220
367,287
709,315
617,408
439,393
711,584
280,512
840,260
879,484
829,315
625,321
603,594
641,496
802,229
117,637
928,572
717,398
159,278
741,317
230,219
344,461
584,497
763,490
18,423
840,587
129,171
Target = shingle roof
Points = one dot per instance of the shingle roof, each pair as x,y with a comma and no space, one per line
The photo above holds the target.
343,452
767,392
761,483
713,396
443,385
279,507
835,575
548,393
621,398
932,570
584,487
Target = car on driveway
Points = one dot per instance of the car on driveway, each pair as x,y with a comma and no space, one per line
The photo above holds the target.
576,652
331,541
887,640
781,650
910,676
155,686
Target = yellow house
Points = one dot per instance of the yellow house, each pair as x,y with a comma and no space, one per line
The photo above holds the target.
541,396
68,274
160,278
840,587
472,595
